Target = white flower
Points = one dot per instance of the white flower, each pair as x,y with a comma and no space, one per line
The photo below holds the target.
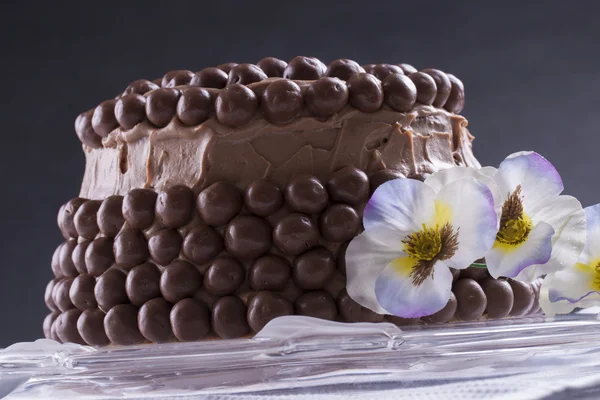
540,230
579,284
413,234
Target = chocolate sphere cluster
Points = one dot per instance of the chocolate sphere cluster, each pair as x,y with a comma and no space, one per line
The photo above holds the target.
184,265
304,86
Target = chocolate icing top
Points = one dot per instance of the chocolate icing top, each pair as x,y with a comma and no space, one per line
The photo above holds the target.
194,97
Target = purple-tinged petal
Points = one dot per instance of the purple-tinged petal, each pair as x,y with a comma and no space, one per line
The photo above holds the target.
591,251
538,178
509,260
567,218
564,291
472,216
402,204
444,177
399,296
365,258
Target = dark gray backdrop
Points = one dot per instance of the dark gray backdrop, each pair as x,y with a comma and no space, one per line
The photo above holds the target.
531,72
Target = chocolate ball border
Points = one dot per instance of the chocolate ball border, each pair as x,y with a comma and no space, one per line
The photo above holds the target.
109,288
230,93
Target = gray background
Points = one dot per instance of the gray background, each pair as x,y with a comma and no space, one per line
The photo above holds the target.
531,72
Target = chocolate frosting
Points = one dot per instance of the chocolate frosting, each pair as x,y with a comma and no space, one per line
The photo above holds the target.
421,141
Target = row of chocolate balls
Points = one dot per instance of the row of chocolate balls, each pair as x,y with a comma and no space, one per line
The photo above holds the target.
475,293
229,317
216,204
225,276
299,69
189,319
280,101
314,269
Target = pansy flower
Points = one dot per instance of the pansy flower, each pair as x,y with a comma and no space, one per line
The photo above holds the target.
540,230
413,235
578,285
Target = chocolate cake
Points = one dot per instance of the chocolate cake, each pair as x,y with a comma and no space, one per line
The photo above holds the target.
215,201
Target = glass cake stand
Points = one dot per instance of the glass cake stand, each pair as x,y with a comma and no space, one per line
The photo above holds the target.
305,358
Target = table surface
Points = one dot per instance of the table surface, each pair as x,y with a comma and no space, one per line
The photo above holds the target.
300,357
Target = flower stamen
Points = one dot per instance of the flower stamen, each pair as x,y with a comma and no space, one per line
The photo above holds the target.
429,246
514,224
596,281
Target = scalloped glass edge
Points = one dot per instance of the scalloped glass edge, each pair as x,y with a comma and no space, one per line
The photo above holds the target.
296,354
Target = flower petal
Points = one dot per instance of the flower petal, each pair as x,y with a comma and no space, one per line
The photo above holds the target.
563,291
538,178
490,172
473,217
443,177
567,218
509,260
402,204
399,296
591,251
366,257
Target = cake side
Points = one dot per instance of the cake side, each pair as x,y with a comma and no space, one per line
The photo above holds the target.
413,144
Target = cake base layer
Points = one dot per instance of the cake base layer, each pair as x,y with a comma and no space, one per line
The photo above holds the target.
186,264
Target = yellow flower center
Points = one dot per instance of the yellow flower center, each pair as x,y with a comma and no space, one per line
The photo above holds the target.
593,271
514,231
514,224
425,244
428,246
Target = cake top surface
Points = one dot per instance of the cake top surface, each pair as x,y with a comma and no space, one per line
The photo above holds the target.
234,94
